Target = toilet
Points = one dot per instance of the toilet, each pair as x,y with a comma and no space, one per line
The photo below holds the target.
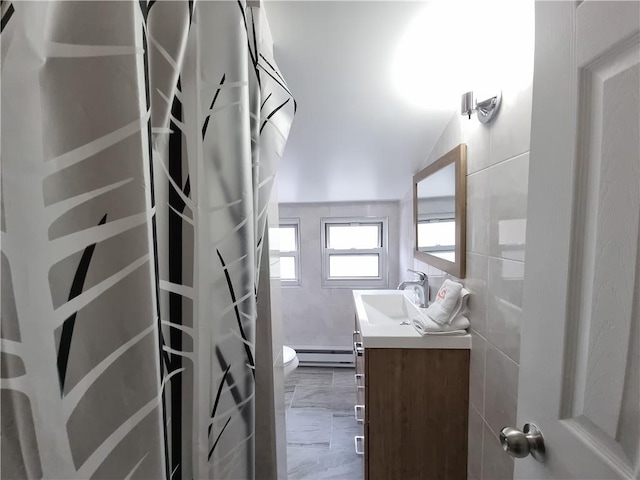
290,360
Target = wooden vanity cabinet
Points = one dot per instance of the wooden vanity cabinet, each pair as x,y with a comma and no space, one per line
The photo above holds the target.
416,404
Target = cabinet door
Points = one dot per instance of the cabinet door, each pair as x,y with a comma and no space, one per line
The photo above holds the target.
416,413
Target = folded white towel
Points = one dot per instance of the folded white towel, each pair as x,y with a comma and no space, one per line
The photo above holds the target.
425,326
461,304
449,302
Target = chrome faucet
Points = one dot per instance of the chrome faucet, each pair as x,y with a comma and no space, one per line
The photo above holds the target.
420,287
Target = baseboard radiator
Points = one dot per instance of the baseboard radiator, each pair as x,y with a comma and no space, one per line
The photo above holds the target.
324,356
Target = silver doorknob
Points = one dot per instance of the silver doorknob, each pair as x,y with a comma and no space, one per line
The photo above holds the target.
519,444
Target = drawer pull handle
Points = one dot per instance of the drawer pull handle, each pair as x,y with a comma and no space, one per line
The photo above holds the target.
359,413
359,439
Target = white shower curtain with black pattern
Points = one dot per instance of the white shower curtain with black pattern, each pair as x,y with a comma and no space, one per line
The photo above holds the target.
139,145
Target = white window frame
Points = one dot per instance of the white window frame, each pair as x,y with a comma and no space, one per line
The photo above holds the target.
295,254
382,281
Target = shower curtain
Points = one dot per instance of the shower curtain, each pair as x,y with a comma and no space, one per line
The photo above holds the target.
139,146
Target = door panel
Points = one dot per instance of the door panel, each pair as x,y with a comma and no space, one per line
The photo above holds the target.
580,353
601,305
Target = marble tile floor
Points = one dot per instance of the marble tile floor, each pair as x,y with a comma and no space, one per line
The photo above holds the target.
321,425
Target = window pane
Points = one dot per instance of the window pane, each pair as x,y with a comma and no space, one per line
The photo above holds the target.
433,234
274,238
274,267
287,268
343,237
282,238
287,239
350,266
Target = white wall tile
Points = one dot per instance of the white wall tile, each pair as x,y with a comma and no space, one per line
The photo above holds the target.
511,130
512,55
450,137
478,201
501,389
504,307
477,372
477,136
476,433
496,464
508,188
342,297
476,282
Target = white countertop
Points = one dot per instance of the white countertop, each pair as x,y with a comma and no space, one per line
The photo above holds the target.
395,335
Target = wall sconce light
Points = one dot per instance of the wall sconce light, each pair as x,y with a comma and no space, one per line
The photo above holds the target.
486,109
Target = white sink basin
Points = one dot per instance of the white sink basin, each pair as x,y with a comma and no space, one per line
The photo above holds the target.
384,321
392,307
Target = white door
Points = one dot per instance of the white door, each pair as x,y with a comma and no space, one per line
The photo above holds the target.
580,366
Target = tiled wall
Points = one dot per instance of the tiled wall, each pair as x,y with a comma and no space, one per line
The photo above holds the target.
315,316
497,182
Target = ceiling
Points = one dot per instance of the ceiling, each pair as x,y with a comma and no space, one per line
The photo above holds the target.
353,138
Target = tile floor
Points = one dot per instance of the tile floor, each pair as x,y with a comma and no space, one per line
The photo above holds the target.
321,425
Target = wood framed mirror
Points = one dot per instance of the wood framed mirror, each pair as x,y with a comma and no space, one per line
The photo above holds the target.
440,212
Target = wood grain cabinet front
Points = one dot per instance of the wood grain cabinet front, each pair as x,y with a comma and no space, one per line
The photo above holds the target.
415,413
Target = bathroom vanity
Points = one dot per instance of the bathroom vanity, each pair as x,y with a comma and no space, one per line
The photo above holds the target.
412,392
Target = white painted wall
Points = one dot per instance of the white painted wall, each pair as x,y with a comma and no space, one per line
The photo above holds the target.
497,186
323,317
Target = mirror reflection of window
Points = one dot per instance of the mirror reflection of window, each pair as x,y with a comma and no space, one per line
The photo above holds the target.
439,234
438,237
436,214
451,256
